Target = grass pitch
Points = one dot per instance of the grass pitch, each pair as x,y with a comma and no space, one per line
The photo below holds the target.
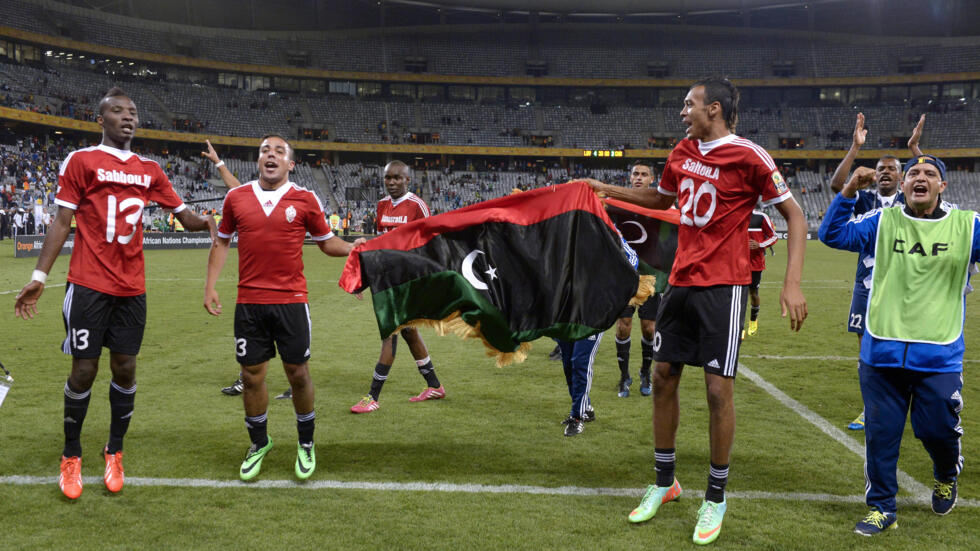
791,486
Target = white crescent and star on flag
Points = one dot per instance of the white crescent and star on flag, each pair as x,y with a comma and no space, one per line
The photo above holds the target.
470,275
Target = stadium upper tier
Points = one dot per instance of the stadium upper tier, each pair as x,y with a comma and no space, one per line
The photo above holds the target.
579,51
234,112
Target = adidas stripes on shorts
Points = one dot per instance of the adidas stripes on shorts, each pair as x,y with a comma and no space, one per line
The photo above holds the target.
261,329
701,326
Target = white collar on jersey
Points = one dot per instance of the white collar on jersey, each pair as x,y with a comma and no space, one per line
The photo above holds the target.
706,147
268,199
395,202
121,154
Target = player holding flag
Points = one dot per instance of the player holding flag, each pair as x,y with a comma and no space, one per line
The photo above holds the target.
717,178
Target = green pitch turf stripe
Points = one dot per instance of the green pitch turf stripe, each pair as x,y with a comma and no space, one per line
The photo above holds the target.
445,487
915,487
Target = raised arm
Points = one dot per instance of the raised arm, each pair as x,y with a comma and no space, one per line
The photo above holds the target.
837,230
917,136
791,297
26,302
226,176
840,175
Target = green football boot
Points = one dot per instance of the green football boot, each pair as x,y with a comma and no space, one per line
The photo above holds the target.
253,461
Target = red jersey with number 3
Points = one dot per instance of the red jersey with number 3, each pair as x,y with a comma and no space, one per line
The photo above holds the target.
108,189
271,228
717,185
401,211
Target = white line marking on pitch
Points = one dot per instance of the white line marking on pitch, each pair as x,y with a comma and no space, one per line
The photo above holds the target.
441,487
917,489
821,358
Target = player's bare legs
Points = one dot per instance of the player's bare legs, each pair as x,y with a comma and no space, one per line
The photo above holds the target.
415,343
721,406
666,404
83,372
299,380
123,368
255,396
388,349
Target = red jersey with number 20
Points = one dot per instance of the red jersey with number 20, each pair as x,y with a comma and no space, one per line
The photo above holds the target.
108,189
717,185
271,227
401,211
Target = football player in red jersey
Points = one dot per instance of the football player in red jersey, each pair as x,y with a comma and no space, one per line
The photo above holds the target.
397,209
761,237
717,178
105,189
272,217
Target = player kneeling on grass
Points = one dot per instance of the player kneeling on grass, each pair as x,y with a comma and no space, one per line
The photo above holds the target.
272,216
911,358
105,189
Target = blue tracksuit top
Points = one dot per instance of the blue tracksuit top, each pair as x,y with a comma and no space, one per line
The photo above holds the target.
859,235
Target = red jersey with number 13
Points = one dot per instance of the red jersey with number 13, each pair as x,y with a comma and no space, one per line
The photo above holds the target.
401,211
717,185
108,189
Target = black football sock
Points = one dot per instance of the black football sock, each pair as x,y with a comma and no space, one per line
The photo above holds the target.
717,479
427,371
623,357
121,402
76,406
647,348
755,313
380,376
304,426
257,429
665,458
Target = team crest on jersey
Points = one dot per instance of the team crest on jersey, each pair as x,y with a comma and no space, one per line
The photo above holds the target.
777,180
290,214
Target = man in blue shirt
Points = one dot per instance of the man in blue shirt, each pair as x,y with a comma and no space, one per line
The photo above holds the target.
887,176
924,250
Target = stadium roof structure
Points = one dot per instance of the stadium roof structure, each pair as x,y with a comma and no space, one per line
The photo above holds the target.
616,7
934,18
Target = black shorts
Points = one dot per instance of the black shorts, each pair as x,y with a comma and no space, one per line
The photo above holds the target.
701,326
648,310
261,329
756,279
94,319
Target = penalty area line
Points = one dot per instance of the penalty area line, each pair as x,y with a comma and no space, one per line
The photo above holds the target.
441,487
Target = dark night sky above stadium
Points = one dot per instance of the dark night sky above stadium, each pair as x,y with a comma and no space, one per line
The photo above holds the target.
875,17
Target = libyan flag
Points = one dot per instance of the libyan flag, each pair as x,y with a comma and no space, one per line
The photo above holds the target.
651,233
547,262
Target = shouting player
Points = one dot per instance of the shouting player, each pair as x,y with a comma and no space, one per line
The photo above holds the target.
717,178
272,216
397,209
105,188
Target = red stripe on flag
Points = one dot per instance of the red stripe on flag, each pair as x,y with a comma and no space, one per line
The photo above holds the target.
671,215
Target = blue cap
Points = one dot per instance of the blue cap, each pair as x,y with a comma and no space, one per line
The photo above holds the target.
928,159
